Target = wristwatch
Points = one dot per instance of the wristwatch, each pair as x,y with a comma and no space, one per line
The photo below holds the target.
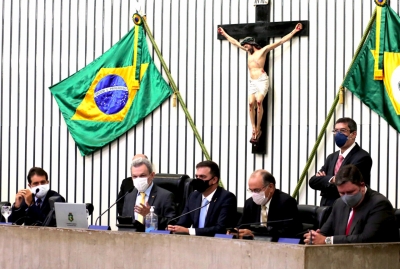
328,240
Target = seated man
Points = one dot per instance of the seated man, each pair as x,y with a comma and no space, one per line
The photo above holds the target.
126,185
360,216
269,204
350,153
32,205
218,205
146,194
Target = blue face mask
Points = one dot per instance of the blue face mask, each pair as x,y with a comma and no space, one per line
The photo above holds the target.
340,139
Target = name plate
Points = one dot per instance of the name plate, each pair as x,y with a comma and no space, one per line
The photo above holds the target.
226,236
160,232
97,227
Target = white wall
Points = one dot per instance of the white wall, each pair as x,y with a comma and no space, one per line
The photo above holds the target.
43,42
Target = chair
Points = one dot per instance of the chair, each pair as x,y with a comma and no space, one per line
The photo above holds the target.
397,215
2,219
178,184
313,217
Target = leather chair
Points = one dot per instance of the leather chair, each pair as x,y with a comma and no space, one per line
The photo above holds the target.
397,214
178,184
313,217
2,219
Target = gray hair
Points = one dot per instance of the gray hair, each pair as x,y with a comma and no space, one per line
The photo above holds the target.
140,161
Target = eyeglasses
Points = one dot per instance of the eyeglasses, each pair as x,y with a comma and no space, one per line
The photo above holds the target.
256,190
343,130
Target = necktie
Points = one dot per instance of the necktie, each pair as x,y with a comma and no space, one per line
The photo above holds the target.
338,163
349,223
203,213
38,202
140,217
264,214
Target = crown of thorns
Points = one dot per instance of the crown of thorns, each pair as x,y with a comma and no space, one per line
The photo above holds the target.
249,40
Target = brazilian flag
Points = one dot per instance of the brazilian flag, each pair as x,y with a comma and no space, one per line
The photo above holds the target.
374,76
112,94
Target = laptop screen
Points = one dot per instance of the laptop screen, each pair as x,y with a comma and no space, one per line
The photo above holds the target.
70,215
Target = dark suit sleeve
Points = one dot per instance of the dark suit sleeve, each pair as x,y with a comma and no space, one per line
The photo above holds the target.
289,211
168,211
248,214
364,164
126,185
226,217
376,226
327,228
186,220
322,183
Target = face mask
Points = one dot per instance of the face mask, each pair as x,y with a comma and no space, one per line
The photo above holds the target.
352,200
141,184
340,139
259,198
43,189
200,185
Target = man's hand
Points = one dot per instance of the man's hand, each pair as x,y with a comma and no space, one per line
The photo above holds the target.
317,238
142,209
221,31
245,232
24,194
177,229
298,27
320,174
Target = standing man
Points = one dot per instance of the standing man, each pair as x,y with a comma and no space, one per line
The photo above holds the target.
360,216
126,185
219,206
259,81
146,194
32,205
269,204
350,153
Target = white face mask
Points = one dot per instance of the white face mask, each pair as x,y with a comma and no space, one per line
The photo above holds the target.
141,183
43,189
259,198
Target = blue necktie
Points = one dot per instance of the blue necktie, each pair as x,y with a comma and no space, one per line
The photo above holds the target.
203,213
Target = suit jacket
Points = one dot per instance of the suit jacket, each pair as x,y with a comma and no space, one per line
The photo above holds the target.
126,185
221,213
161,199
357,156
282,206
33,215
374,221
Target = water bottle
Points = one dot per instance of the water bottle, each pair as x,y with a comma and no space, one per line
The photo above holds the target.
151,221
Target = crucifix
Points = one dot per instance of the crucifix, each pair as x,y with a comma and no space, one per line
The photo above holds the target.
257,35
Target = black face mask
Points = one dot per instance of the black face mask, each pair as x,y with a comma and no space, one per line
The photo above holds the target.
200,185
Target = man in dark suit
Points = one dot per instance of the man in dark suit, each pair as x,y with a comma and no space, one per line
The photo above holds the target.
350,153
126,185
269,204
360,216
218,205
146,194
32,205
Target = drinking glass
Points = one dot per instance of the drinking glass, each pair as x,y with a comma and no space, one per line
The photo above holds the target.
6,212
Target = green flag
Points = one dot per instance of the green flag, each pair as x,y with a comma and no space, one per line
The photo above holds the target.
109,96
374,76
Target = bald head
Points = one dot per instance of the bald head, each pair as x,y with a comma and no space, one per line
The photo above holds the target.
139,156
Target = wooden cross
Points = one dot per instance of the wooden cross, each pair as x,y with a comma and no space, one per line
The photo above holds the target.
262,30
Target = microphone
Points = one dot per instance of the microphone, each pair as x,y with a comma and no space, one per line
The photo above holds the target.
191,211
34,195
113,205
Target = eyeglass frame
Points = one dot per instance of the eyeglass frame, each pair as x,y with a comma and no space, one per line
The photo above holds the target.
342,130
257,190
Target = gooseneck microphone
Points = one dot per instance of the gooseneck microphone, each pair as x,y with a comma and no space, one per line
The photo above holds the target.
113,205
254,224
191,211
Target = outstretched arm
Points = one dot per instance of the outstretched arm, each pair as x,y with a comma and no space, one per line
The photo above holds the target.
229,38
287,37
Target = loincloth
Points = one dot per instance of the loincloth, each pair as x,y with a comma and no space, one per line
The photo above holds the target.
260,85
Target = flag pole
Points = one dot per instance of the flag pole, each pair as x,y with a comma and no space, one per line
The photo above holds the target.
176,92
339,95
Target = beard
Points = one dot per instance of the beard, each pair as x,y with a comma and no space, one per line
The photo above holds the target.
251,50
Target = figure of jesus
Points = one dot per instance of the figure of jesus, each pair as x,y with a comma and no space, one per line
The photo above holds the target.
259,81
